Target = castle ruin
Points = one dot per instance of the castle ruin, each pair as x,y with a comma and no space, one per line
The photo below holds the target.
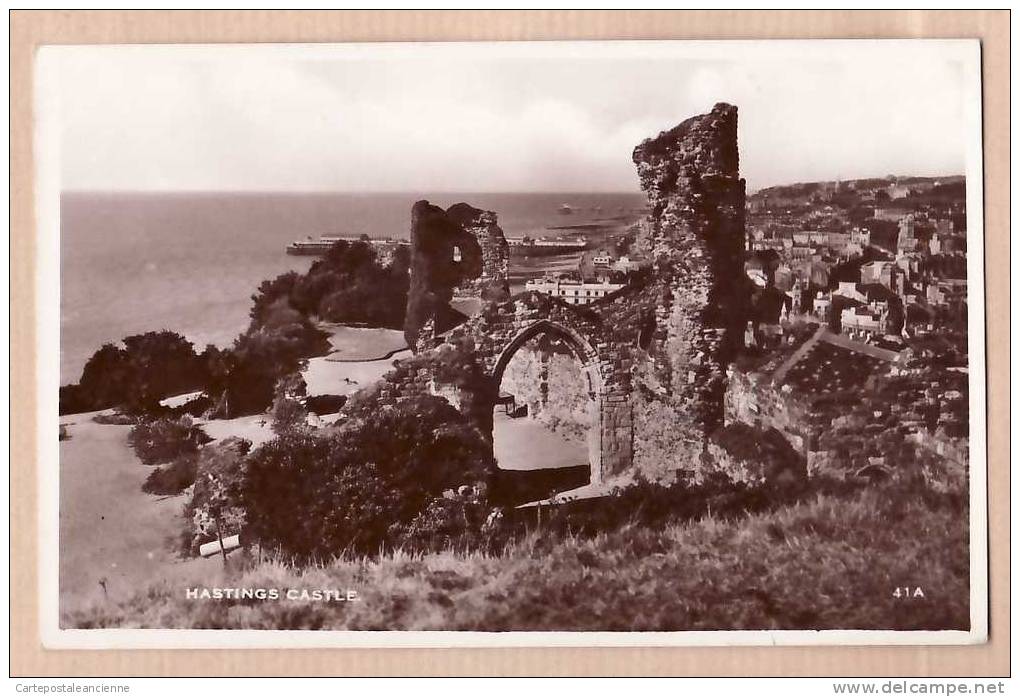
654,354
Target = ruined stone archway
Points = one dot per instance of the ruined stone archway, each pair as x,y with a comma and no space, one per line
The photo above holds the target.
656,353
587,364
496,333
579,346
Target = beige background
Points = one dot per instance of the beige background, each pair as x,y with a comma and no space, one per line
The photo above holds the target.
32,29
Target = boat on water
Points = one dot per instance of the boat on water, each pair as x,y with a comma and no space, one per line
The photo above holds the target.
565,209
312,247
318,247
540,247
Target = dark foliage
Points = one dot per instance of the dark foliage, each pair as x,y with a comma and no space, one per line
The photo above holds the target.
288,412
361,489
348,285
273,347
194,407
116,419
325,403
514,487
173,478
135,376
454,521
164,440
765,447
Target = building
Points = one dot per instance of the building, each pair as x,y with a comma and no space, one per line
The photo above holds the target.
573,291
860,236
595,265
864,309
760,267
880,272
891,215
850,289
862,322
898,191
947,243
775,243
947,291
627,264
796,294
810,238
820,306
838,241
909,263
906,240
783,277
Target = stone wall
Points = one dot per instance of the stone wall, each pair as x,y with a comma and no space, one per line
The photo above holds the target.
653,356
443,257
691,176
841,428
493,284
551,383
469,363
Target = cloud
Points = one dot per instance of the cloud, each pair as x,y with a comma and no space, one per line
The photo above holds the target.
364,119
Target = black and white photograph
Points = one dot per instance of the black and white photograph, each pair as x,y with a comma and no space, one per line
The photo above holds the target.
511,343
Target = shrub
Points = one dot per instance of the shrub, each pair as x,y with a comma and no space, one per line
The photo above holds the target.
164,440
115,419
216,498
268,351
458,520
195,407
360,489
288,413
325,403
137,376
747,453
172,479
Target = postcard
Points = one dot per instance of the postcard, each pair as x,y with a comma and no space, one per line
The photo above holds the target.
606,343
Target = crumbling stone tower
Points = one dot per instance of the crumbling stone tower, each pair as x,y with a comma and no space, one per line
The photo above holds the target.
691,176
494,281
457,253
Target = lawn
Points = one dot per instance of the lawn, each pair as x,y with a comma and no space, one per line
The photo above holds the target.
362,343
110,532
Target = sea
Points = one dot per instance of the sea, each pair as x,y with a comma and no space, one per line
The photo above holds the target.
190,262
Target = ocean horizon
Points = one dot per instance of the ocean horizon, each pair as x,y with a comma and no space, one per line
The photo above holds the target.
190,261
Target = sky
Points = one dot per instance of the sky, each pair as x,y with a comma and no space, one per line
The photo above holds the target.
494,117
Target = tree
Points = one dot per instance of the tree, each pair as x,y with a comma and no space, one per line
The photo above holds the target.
148,368
261,356
161,364
360,490
269,294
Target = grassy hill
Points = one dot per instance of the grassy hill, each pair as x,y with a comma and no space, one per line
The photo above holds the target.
823,562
